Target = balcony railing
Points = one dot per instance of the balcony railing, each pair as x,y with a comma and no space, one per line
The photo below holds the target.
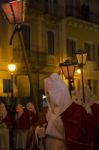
35,57
81,13
41,6
38,58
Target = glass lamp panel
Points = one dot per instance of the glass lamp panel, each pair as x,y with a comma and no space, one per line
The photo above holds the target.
68,71
79,58
71,71
65,71
17,7
84,58
13,11
7,11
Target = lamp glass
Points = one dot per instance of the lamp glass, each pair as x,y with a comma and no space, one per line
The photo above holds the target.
81,58
68,71
13,11
84,58
12,67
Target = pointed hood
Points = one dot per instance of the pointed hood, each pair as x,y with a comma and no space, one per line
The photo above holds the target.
58,94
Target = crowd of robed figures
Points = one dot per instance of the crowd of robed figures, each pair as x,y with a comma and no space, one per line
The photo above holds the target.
67,122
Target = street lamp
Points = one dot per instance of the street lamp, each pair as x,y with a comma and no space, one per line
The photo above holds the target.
78,71
14,12
13,9
12,68
81,58
68,69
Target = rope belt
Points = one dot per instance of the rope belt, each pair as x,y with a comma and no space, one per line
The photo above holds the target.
53,137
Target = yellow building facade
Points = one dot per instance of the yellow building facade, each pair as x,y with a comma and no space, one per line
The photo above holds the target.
84,33
54,35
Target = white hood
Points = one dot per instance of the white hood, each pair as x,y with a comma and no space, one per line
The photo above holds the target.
58,101
59,96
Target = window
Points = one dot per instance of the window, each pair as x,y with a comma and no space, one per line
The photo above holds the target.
7,85
89,84
26,36
98,52
50,35
71,47
95,87
46,3
55,4
91,54
87,48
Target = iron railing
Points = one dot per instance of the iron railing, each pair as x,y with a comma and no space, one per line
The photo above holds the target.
42,6
78,12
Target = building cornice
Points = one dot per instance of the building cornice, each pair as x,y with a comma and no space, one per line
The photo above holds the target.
81,24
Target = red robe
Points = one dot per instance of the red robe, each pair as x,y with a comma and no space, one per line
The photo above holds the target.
7,120
31,119
31,123
21,122
20,131
95,111
74,120
91,126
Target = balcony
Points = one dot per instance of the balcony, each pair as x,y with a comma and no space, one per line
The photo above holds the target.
34,56
41,6
81,13
38,58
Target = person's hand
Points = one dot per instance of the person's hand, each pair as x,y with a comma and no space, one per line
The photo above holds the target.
4,125
40,132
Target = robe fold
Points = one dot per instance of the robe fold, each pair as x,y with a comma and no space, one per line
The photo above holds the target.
74,120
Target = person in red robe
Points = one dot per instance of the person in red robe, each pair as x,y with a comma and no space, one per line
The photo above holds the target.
20,128
96,138
91,118
5,125
95,111
75,128
32,123
64,115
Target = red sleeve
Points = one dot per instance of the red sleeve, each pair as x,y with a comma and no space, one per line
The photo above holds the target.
75,126
7,120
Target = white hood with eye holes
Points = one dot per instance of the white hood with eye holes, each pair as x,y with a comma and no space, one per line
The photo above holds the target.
58,101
